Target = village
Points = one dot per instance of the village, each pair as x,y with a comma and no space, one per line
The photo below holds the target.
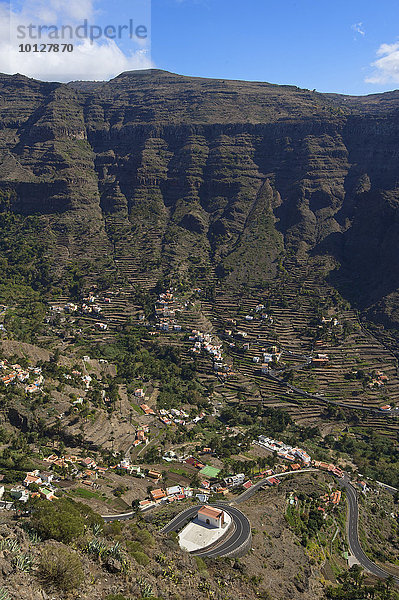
144,445
31,377
197,417
240,340
170,319
50,483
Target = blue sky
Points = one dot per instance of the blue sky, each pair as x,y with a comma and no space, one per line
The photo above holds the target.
347,47
310,43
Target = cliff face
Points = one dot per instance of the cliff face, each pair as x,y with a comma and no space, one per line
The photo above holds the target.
192,176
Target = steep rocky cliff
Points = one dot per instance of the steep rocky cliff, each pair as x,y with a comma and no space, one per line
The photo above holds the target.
207,178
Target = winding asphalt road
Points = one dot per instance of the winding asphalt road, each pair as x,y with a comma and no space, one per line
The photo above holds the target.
257,486
238,539
121,517
242,527
240,535
353,535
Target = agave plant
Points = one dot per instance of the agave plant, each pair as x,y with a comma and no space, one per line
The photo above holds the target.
96,529
146,589
14,546
125,564
34,537
115,550
162,559
4,594
10,544
96,547
23,561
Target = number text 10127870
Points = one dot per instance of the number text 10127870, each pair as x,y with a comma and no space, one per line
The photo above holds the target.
45,48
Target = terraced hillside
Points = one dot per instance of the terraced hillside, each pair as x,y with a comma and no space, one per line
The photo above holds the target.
293,329
153,175
252,193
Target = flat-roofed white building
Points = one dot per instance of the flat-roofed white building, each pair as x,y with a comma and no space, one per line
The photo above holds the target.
174,490
234,480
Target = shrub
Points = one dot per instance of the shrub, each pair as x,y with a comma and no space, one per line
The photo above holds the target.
60,567
113,529
201,565
133,546
62,520
141,558
143,536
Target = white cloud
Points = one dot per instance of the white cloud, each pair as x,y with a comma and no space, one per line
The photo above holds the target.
52,11
97,61
387,49
358,28
92,60
386,68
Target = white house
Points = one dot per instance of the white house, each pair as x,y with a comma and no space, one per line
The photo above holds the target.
86,379
202,497
267,358
46,477
32,477
211,516
304,456
21,495
234,480
174,490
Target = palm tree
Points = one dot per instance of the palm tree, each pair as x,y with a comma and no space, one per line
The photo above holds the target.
387,588
357,575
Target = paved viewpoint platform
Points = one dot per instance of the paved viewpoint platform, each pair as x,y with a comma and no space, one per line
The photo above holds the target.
197,535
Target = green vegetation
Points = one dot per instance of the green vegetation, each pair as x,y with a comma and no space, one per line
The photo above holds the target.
15,457
133,546
4,595
63,520
143,536
85,493
305,522
352,587
137,357
26,273
374,454
201,565
60,567
140,557
23,257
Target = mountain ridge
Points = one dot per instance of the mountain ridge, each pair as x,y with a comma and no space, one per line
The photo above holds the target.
160,167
